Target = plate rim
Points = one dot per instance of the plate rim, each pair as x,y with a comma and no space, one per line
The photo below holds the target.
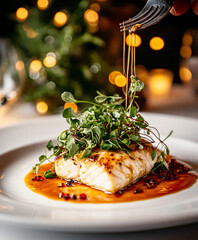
44,224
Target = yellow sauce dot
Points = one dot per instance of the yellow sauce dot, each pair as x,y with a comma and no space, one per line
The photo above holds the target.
71,105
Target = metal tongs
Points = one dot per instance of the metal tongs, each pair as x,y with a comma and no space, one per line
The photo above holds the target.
152,13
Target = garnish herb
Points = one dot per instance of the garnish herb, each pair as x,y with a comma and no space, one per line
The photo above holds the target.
105,125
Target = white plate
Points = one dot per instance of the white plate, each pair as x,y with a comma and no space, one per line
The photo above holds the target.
20,146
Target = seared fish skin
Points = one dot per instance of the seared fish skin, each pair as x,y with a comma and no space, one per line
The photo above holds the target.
107,170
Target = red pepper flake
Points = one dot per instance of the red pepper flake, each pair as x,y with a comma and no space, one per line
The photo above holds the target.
69,183
61,195
119,193
151,183
37,178
83,196
67,196
74,197
167,175
138,190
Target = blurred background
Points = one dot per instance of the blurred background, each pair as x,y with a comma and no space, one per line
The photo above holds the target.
51,46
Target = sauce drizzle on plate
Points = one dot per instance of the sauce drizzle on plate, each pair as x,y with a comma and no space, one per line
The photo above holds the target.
177,178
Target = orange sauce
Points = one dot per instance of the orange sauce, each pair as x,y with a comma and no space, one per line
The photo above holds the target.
141,190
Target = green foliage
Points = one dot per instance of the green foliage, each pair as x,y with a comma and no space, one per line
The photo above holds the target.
76,50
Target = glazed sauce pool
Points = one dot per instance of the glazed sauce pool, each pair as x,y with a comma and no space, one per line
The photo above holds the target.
179,177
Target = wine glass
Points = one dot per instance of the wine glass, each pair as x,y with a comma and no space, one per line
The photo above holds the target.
12,75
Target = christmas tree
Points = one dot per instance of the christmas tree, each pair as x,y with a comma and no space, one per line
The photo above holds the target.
61,51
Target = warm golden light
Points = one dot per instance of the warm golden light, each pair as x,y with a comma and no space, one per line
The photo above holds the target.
42,4
60,19
95,6
160,82
91,16
71,105
156,43
49,61
29,31
133,40
113,75
185,74
41,107
142,73
19,65
21,14
35,66
185,51
187,39
120,81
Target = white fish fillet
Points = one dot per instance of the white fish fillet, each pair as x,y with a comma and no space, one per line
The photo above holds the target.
107,170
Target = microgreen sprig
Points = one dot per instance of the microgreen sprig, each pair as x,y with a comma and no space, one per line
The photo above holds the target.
106,125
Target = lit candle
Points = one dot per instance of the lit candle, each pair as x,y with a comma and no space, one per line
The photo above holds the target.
160,82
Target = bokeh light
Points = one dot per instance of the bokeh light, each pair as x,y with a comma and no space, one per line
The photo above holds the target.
91,16
187,39
133,40
185,51
19,65
185,74
113,75
35,66
160,82
142,73
42,4
29,31
60,19
41,107
95,6
49,61
120,81
156,43
71,105
21,14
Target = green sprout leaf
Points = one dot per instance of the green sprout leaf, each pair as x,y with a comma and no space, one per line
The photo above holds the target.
100,99
97,130
50,145
49,174
154,154
139,86
68,97
133,111
42,158
135,138
86,153
69,113
105,145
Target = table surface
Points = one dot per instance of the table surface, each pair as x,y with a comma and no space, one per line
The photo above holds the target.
26,111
